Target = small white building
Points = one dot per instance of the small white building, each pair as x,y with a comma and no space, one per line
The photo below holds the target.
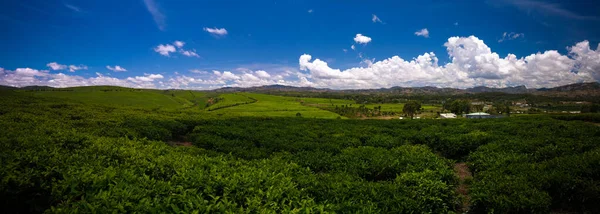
448,115
479,115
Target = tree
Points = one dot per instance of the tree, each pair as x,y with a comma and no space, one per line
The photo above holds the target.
298,114
411,108
460,106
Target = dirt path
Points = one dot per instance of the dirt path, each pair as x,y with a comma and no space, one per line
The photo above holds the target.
463,172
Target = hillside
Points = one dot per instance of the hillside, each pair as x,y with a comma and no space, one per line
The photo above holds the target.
592,88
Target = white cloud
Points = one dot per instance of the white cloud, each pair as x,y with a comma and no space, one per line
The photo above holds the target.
116,68
376,19
21,77
216,31
189,53
353,47
228,76
587,61
55,66
310,10
165,50
179,44
455,23
361,39
423,32
73,68
158,17
198,71
473,64
147,79
345,50
511,36
262,74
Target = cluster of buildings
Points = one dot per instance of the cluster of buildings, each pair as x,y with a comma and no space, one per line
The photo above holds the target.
476,115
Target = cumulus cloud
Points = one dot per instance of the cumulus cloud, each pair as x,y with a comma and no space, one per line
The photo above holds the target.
423,32
262,74
511,36
145,79
216,31
473,64
198,71
179,44
55,66
376,19
361,39
21,77
165,50
116,68
353,47
189,53
73,68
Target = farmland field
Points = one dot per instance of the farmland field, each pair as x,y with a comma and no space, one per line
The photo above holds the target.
126,150
273,106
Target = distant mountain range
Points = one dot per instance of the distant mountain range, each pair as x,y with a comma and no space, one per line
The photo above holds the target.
572,90
577,89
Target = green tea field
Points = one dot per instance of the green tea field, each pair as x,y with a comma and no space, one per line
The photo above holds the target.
109,149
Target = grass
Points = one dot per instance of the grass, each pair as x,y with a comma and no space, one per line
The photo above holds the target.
325,101
273,106
230,100
126,97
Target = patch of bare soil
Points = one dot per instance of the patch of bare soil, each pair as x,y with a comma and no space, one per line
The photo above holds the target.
463,173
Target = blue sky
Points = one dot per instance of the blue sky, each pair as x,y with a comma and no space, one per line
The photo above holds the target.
227,43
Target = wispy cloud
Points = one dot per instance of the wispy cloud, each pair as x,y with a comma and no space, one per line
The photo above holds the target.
511,36
549,9
72,68
376,19
310,11
423,32
158,17
73,8
116,68
55,66
216,31
190,53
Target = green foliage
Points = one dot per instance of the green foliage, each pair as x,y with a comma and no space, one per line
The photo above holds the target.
459,107
63,154
411,108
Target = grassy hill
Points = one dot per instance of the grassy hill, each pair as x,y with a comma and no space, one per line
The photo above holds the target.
126,97
230,100
273,106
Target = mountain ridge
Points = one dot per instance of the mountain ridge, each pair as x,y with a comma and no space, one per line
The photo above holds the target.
576,89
